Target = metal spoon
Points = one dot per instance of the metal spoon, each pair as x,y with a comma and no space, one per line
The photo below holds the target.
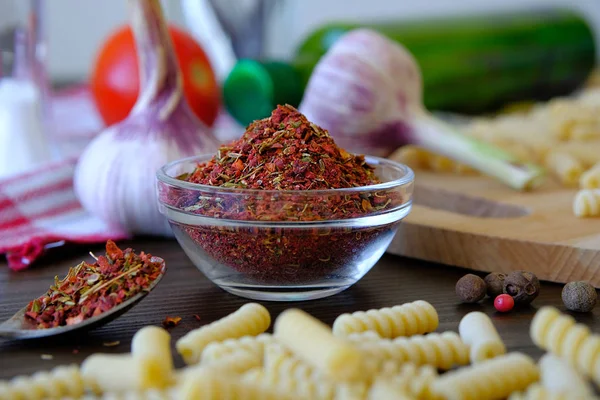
18,327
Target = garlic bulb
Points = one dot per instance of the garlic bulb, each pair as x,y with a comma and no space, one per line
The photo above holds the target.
115,175
367,92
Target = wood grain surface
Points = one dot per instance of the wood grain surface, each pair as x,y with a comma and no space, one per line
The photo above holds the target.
184,292
478,223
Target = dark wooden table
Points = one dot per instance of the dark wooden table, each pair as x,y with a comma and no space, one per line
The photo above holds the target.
184,292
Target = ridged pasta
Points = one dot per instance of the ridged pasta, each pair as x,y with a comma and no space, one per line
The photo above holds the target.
567,168
60,382
495,378
587,203
477,330
155,342
352,390
440,350
408,319
536,391
237,362
386,389
309,388
252,344
558,376
312,341
415,381
282,362
560,334
151,394
590,179
250,319
212,386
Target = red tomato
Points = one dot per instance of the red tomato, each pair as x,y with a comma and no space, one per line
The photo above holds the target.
115,76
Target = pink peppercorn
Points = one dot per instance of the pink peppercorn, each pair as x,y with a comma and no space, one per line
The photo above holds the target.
504,302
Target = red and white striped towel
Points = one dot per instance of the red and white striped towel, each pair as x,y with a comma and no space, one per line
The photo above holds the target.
39,209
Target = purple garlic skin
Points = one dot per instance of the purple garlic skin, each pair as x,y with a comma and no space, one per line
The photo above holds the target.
365,91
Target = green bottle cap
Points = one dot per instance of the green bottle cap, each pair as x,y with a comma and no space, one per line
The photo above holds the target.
253,89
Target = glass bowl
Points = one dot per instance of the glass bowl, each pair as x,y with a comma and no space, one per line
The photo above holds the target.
284,245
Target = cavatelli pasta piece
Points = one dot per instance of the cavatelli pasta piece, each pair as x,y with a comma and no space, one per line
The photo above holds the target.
253,344
567,168
213,386
495,378
155,342
587,203
408,319
477,330
560,334
278,360
250,319
317,389
313,341
590,179
60,382
121,372
440,350
558,376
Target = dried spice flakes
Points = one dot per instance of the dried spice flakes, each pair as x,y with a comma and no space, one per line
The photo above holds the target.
170,322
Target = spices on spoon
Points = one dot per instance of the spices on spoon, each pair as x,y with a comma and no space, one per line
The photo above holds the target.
287,156
89,290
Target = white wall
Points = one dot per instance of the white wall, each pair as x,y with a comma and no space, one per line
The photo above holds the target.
77,27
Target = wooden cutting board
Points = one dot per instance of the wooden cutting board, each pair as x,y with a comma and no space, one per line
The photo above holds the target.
480,224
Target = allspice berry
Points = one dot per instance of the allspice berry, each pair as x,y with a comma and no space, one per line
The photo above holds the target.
495,284
470,288
523,286
579,296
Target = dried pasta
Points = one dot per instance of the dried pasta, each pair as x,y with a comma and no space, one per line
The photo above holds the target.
494,378
313,341
416,381
121,372
408,319
150,394
558,376
442,351
567,168
559,334
250,319
590,179
60,382
253,344
237,362
278,360
536,391
212,386
387,389
587,203
317,389
155,342
477,330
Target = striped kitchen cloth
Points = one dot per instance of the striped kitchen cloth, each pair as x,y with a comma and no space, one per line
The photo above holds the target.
39,210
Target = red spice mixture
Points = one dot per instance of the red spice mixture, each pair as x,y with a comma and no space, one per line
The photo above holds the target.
91,289
285,153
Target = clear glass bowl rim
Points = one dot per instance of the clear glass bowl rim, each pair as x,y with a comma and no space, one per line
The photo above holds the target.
407,178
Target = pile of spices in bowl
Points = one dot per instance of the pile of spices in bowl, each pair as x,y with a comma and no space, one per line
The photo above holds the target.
91,289
285,153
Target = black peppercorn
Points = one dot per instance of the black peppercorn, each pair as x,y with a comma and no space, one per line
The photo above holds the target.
579,296
495,284
523,286
470,288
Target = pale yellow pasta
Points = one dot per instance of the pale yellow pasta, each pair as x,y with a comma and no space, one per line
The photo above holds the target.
237,362
252,344
442,351
213,386
565,167
387,389
121,372
412,156
150,394
560,334
361,336
587,203
60,382
536,391
588,153
352,390
155,342
313,341
586,131
416,381
408,319
317,389
479,333
440,163
278,360
495,378
590,179
558,376
250,319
